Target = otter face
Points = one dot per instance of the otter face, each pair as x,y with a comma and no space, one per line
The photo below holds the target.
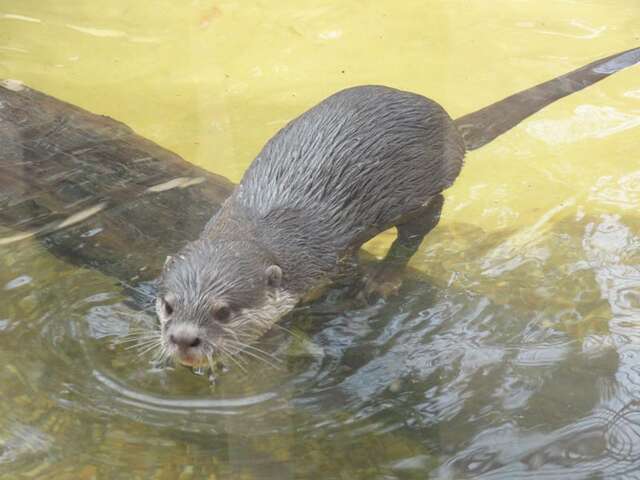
216,299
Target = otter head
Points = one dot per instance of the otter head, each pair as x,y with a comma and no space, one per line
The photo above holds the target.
216,297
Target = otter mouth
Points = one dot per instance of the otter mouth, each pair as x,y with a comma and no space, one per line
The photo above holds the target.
193,361
202,366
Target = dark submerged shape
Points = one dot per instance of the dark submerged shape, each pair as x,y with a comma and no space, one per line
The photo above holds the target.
93,191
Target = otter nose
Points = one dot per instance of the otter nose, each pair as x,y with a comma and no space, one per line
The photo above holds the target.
185,340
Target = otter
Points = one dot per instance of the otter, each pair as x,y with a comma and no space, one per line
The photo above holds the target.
365,159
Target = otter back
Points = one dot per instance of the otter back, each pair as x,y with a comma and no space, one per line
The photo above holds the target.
356,163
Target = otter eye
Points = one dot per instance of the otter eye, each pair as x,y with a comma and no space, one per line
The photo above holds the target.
222,314
168,308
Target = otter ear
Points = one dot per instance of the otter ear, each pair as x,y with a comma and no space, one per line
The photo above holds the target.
274,276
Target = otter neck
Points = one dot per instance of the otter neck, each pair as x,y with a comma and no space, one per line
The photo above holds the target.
293,241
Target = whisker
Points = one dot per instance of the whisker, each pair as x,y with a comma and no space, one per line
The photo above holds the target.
241,360
251,333
145,352
135,337
257,353
254,348
142,345
130,314
230,357
137,330
297,336
259,358
212,369
123,342
139,337
117,336
136,342
148,349
162,356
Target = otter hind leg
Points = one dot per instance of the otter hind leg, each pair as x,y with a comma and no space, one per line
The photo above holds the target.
411,232
386,277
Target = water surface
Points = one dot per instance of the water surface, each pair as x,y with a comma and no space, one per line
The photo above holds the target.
512,352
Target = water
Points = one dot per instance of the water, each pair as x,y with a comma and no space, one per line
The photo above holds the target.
512,350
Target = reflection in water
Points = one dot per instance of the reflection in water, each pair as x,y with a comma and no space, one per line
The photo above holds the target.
589,121
590,393
623,192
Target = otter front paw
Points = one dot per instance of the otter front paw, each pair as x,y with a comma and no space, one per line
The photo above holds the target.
382,281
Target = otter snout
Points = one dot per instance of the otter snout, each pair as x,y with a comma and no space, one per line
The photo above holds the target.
185,343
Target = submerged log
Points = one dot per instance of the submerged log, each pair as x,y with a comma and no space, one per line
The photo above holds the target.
93,191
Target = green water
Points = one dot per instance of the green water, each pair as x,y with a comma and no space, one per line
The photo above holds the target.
511,352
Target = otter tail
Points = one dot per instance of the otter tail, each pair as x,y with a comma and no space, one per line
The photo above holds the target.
481,127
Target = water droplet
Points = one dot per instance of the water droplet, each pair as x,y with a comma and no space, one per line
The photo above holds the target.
18,282
199,371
